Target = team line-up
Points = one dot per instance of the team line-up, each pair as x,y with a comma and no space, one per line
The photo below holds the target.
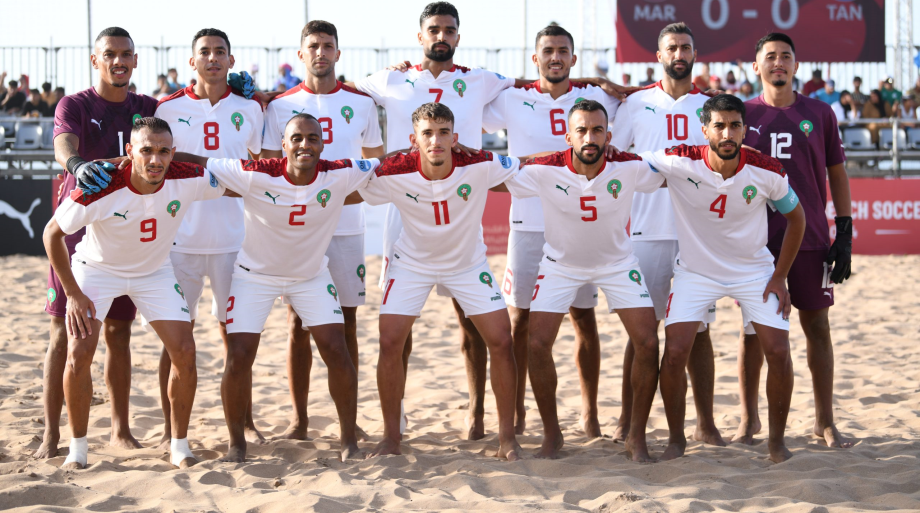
204,183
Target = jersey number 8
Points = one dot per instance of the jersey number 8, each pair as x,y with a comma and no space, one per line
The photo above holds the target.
211,138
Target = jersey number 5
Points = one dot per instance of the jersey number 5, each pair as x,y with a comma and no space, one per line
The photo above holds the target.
588,208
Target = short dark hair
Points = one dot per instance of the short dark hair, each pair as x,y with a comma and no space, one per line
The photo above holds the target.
322,27
433,111
210,32
35,91
722,103
303,116
555,30
771,37
438,9
155,125
13,84
676,28
46,87
857,78
588,106
59,90
114,32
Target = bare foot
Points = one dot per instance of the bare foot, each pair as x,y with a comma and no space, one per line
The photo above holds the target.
477,429
709,436
48,448
295,431
674,450
165,442
746,431
511,451
124,441
188,462
236,454
385,447
253,436
591,427
73,465
551,447
519,424
352,452
637,450
779,453
361,434
621,433
833,438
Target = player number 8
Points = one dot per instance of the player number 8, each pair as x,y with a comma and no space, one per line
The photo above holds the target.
211,138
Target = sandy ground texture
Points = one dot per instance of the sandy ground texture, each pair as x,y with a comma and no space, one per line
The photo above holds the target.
875,329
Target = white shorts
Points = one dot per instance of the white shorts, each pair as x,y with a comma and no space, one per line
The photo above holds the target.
190,272
692,295
252,296
346,265
475,289
392,227
657,259
157,295
525,252
557,286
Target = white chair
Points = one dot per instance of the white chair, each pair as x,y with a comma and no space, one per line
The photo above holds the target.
857,138
28,136
47,135
913,138
886,139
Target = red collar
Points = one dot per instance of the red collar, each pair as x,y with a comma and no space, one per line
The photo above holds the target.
418,165
418,67
741,162
695,90
190,92
337,88
568,162
131,188
537,86
284,173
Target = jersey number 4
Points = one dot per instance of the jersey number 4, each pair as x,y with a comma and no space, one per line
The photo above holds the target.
718,206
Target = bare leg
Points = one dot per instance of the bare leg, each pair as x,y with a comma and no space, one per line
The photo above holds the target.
520,323
78,383
476,359
543,380
391,378
53,388
821,363
678,344
117,335
343,383
236,389
183,377
775,343
588,359
702,369
750,361
641,326
351,340
163,370
299,364
626,394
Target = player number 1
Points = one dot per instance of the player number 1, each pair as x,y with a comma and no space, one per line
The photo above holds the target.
121,144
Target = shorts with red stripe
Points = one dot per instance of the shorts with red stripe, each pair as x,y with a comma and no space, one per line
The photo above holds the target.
406,290
122,308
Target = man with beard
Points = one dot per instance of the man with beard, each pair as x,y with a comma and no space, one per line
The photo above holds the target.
350,128
660,116
89,125
586,198
535,117
802,133
720,192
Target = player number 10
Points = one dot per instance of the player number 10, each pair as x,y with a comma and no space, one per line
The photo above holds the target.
678,126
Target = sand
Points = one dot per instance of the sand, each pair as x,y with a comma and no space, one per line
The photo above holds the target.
878,403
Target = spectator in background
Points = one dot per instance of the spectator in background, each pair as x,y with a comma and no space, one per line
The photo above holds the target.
254,72
57,95
815,84
35,107
162,90
132,88
715,83
746,91
172,80
846,109
915,92
649,78
14,99
286,78
907,110
627,79
731,83
891,95
47,93
828,95
858,96
702,80
601,68
876,107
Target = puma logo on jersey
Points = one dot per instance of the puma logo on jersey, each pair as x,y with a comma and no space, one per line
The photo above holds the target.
566,190
272,197
413,197
755,129
651,109
186,121
294,112
98,123
123,216
412,82
697,184
23,217
58,126
531,105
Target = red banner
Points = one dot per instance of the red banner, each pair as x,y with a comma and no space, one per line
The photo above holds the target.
886,216
727,30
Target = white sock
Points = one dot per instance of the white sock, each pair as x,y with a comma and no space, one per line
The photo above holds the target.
79,449
179,451
402,417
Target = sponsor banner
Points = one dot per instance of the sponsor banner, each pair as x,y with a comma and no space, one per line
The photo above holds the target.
25,209
886,216
726,30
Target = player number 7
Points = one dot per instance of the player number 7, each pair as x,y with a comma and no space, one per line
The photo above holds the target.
438,92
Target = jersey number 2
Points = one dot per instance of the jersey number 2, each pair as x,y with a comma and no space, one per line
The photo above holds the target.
299,211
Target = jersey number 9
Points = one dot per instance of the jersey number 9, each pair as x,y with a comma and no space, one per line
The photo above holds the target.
149,226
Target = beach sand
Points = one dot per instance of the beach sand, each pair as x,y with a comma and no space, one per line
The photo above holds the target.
875,329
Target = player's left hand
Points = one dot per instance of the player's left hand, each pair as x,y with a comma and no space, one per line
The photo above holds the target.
243,83
466,150
92,177
748,148
610,151
777,285
617,91
265,97
713,92
841,252
402,66
119,162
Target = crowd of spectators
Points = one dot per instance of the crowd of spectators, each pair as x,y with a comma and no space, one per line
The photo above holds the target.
17,100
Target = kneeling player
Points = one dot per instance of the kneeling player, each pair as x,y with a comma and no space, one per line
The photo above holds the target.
130,229
586,203
292,207
719,194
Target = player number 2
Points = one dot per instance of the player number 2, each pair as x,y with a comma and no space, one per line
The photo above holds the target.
211,138
779,143
678,126
718,206
438,207
557,124
326,125
299,210
230,301
588,208
149,226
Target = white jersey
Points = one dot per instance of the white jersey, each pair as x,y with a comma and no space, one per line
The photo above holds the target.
722,224
349,122
226,129
130,234
288,227
441,218
585,219
652,120
537,123
465,91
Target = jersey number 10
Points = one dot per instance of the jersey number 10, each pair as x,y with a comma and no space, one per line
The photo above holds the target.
678,127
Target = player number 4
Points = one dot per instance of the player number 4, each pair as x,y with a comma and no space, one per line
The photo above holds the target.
718,206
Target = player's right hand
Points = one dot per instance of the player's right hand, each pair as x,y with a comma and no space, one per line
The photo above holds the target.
119,162
80,314
402,66
92,177
777,285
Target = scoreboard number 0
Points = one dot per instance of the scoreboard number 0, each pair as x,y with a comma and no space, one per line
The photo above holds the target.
720,8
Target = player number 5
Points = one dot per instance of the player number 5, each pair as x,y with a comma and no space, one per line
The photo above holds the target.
588,208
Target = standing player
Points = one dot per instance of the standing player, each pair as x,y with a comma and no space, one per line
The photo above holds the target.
89,125
131,226
535,116
350,128
719,193
441,197
292,206
206,119
802,133
657,117
586,202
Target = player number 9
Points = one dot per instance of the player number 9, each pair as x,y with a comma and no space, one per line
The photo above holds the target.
149,226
